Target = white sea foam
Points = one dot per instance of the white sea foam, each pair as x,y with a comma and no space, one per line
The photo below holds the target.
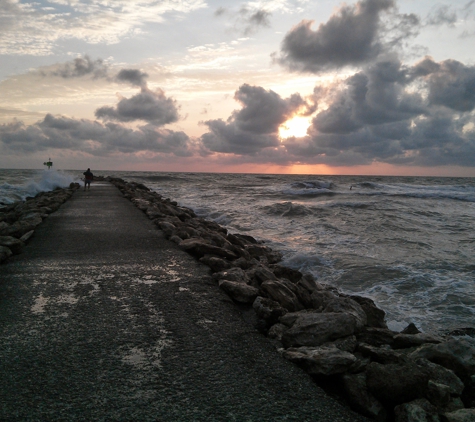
44,181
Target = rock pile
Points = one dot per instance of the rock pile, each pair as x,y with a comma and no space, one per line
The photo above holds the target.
19,220
341,340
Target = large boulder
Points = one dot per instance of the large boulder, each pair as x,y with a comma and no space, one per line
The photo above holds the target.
419,410
457,354
376,336
321,298
441,375
374,315
15,245
240,292
200,247
404,341
347,306
278,291
394,384
5,253
326,360
315,329
232,274
360,398
268,309
381,354
462,415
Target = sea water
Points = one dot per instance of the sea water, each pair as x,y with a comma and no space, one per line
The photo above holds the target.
406,242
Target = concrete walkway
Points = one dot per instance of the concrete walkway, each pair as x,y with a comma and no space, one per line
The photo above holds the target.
103,319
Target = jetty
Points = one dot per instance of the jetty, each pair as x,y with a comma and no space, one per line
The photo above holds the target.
102,318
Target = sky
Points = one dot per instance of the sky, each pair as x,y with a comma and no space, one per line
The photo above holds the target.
370,87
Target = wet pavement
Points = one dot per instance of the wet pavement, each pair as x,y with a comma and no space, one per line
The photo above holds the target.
103,319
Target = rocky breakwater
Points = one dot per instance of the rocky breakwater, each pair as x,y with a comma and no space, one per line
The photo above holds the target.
341,340
19,220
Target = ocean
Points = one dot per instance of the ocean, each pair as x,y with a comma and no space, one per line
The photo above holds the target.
406,242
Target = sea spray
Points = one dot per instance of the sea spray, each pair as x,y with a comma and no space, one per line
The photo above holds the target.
40,181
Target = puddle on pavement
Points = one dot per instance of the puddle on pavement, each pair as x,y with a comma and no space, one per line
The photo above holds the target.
39,305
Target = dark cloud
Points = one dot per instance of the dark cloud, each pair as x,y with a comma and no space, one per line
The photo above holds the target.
379,116
253,20
247,20
150,106
350,37
91,136
375,96
420,115
452,84
80,67
133,76
255,126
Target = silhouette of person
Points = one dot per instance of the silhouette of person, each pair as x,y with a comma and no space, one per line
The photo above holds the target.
88,177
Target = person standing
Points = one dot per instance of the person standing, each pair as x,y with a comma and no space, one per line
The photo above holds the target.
88,177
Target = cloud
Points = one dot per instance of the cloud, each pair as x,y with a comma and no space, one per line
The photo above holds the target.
451,84
350,37
59,132
36,30
442,15
255,126
372,97
150,106
132,76
79,67
380,116
387,112
248,19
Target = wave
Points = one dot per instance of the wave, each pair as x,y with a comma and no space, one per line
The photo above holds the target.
310,188
288,209
48,181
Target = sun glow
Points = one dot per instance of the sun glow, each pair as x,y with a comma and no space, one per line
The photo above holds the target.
297,126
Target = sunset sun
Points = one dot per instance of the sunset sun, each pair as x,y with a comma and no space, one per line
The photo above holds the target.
297,126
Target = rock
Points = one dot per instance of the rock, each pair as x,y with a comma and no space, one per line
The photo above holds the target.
381,354
260,274
33,219
232,274
347,344
285,272
4,226
376,336
410,329
441,375
462,415
167,227
322,360
308,282
27,236
239,292
314,329
416,411
457,354
394,384
277,331
199,247
403,341
257,251
454,404
278,291
5,253
321,298
347,306
374,316
361,399
215,263
438,394
15,245
268,309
